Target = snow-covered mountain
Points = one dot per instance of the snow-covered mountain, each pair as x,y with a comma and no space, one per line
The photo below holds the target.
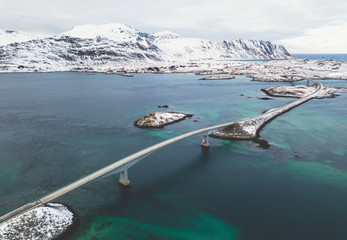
9,36
178,47
117,45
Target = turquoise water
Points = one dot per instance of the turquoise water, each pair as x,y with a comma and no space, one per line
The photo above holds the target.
58,127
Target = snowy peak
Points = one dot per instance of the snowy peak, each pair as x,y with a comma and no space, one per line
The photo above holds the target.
113,31
166,35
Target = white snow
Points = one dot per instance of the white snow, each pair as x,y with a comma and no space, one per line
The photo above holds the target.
166,35
46,222
165,117
113,31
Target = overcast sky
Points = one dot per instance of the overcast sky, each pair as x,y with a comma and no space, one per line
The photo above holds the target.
302,26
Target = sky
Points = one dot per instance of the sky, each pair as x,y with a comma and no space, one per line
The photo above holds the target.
302,26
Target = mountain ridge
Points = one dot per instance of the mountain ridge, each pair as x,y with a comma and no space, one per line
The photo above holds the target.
118,45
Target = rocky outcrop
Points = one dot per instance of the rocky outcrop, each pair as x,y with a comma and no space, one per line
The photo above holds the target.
218,78
275,78
235,131
160,119
46,222
288,91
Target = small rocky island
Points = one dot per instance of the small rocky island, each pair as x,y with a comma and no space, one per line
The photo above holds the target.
160,119
218,78
46,222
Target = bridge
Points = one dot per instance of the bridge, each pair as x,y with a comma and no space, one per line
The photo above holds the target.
249,128
250,125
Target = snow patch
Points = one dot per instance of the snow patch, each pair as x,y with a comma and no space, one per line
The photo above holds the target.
166,35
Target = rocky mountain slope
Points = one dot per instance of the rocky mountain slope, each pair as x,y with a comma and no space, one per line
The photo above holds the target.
114,46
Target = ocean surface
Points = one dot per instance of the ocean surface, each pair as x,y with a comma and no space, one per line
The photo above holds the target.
58,127
340,57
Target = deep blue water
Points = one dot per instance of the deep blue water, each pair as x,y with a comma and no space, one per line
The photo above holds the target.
340,57
58,127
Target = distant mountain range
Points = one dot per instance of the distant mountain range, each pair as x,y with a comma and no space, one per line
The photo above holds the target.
117,45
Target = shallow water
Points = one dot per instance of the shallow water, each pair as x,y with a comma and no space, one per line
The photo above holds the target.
58,127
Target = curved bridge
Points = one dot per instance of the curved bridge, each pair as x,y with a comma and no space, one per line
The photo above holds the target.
125,163
249,128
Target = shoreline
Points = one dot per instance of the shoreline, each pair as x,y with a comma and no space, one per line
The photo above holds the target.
150,120
288,70
51,220
76,221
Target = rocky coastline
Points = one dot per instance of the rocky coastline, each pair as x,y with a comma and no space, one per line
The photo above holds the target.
50,221
218,78
291,70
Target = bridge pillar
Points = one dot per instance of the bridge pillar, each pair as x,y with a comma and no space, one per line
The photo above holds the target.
308,83
204,142
123,179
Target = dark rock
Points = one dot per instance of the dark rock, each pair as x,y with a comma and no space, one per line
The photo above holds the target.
218,78
163,106
262,143
234,131
265,98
